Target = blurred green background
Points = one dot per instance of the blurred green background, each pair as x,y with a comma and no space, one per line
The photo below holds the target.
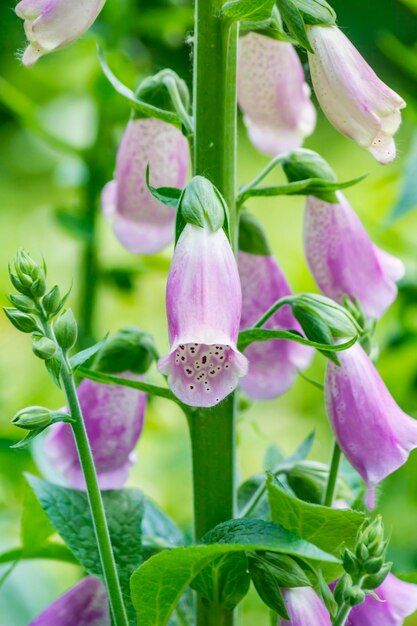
48,201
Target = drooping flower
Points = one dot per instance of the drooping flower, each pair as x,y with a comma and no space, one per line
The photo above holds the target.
344,261
203,306
142,223
305,608
273,94
397,600
114,417
353,98
53,24
273,365
373,432
85,604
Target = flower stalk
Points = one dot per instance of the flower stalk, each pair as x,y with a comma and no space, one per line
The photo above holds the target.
212,430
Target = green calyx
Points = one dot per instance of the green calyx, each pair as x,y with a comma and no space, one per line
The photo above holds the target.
252,238
201,204
129,350
303,164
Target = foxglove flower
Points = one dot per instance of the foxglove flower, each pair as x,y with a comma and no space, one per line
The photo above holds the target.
397,600
273,94
204,302
353,98
85,605
373,432
305,608
113,417
273,365
344,261
142,223
53,24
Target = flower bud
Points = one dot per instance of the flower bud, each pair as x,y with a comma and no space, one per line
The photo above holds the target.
130,349
33,417
24,322
354,595
51,301
339,590
303,164
66,330
372,581
23,303
44,348
350,563
372,566
395,601
336,318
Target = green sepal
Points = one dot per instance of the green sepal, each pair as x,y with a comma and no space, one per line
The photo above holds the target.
294,21
130,349
252,238
143,108
326,594
316,12
23,303
79,359
268,588
247,10
152,90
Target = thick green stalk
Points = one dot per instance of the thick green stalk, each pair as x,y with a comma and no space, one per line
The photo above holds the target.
95,500
213,433
333,474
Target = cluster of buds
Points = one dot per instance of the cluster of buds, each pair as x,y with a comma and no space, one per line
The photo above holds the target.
37,311
365,566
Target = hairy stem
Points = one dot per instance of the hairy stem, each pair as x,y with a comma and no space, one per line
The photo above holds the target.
95,500
333,473
213,432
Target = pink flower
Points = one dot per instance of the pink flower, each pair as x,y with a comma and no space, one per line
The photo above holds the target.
373,432
203,306
273,365
273,94
83,605
114,418
142,223
344,261
353,98
53,24
398,600
305,608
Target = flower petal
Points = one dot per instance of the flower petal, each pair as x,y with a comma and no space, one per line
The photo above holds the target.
84,605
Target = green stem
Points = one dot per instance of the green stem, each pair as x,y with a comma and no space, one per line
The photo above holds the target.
274,308
333,473
213,431
94,498
342,615
259,178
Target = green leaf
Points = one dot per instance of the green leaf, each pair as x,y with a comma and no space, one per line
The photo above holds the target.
74,225
82,357
329,529
35,527
407,200
159,583
158,531
224,582
294,22
50,551
145,109
326,594
153,390
247,10
24,443
69,513
246,337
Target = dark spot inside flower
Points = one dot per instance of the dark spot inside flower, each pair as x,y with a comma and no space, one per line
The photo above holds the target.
203,360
